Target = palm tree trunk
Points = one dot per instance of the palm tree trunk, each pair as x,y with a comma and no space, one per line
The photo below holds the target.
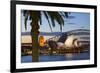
35,47
34,36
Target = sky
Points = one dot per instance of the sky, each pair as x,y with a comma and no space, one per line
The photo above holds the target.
81,20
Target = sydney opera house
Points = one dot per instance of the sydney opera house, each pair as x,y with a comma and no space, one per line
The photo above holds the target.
74,40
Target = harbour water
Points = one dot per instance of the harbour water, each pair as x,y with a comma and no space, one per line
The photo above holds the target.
65,57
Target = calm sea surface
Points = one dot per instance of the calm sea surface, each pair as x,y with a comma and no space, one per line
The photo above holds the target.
66,57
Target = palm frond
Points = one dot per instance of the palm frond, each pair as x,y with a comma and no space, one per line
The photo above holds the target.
40,18
47,17
66,14
56,16
52,17
25,22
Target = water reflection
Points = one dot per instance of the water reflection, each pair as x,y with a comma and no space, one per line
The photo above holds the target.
66,57
69,56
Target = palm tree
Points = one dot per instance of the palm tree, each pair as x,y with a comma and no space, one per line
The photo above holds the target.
36,17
